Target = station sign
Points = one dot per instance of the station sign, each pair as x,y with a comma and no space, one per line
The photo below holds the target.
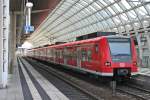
29,28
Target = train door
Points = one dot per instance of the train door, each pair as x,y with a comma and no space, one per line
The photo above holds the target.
79,57
65,57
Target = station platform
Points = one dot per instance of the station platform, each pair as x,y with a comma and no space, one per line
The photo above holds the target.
144,71
28,84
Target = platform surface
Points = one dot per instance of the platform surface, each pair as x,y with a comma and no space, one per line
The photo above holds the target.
144,71
14,90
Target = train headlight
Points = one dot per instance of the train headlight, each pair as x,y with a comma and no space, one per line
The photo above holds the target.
107,63
134,63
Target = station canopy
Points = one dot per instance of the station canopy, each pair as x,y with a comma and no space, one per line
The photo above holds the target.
72,18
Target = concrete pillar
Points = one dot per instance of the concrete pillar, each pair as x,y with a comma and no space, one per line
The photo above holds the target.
12,41
4,33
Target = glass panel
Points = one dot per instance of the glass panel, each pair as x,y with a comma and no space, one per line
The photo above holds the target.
100,26
99,16
111,23
123,51
142,11
87,11
125,4
132,14
92,9
135,3
88,1
107,1
124,17
89,54
96,6
104,14
99,3
95,27
148,8
105,24
146,0
104,3
117,8
111,10
82,2
79,6
116,20
110,1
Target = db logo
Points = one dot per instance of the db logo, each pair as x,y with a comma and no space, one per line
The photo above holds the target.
122,64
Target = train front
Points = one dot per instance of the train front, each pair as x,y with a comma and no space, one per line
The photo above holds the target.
122,60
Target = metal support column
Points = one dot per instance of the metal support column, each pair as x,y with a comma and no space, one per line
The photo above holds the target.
148,45
4,33
138,36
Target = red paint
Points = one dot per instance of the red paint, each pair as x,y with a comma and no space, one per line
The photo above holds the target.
96,62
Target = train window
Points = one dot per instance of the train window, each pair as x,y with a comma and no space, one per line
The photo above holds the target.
96,48
89,53
83,55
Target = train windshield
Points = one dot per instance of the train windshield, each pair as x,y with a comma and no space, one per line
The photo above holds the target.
120,49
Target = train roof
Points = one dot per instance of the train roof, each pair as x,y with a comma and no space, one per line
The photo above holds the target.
93,40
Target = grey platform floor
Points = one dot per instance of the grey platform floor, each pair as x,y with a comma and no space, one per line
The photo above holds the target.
144,71
13,90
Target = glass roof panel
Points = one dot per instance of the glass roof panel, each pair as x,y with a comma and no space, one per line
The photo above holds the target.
94,18
96,6
83,13
103,2
110,1
105,25
87,11
141,11
148,8
85,16
99,3
124,17
111,23
132,14
71,1
99,24
79,6
117,20
91,8
111,10
146,0
125,4
89,1
98,15
95,27
82,2
117,8
135,3
104,14
107,1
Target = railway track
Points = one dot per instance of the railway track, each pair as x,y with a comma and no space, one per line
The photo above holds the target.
67,87
91,86
136,91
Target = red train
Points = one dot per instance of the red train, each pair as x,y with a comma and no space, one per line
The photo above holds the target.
105,56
